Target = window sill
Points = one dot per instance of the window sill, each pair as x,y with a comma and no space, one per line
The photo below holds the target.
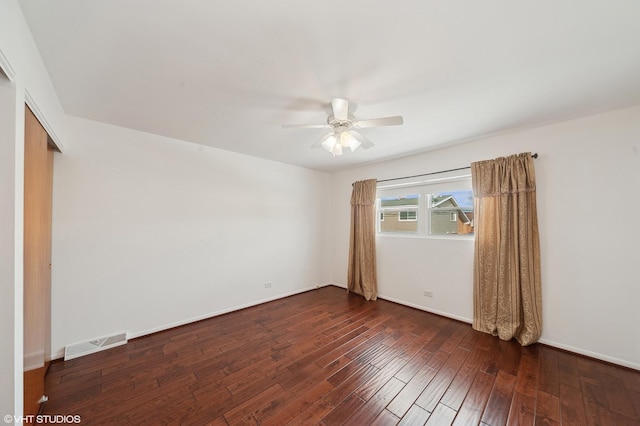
427,237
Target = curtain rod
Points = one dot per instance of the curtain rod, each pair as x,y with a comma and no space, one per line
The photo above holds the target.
435,173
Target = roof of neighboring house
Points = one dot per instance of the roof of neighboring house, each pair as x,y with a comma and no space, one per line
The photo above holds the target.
452,200
400,201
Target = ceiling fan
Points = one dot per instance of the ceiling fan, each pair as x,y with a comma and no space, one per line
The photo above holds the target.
342,124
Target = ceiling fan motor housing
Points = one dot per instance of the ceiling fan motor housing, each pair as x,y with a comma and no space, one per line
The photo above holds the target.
343,128
340,126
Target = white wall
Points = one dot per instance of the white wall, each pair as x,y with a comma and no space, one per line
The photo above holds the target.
150,232
7,244
155,251
588,175
20,59
19,48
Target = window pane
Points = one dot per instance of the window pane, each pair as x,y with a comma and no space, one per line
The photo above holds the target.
407,200
399,214
395,221
452,213
408,215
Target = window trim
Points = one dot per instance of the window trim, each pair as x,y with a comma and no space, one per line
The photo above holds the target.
419,223
424,190
415,218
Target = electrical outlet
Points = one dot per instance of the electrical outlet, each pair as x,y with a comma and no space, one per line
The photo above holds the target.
428,293
267,285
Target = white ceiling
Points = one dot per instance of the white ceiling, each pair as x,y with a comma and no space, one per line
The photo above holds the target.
228,74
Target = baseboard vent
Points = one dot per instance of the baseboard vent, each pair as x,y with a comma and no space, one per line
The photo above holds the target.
91,346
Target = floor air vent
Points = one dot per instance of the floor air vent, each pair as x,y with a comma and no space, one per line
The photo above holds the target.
85,348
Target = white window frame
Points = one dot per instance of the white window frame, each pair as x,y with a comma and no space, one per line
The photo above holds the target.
413,210
419,210
424,189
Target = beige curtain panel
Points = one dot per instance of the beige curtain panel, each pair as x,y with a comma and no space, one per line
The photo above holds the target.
362,277
507,298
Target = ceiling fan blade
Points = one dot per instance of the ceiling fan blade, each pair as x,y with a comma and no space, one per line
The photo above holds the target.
306,126
364,142
340,109
319,143
383,121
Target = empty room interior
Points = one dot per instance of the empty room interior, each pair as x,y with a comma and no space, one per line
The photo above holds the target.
327,213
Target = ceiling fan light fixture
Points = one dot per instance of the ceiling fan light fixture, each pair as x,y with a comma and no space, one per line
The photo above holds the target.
348,141
345,139
330,144
344,125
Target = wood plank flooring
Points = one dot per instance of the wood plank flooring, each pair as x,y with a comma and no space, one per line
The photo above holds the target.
327,357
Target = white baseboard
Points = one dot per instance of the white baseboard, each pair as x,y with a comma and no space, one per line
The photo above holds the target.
216,313
587,353
547,342
413,305
60,353
590,354
33,360
422,308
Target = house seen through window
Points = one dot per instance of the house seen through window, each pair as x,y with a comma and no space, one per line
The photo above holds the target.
444,213
451,213
399,214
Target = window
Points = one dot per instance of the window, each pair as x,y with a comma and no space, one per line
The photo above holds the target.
399,214
451,212
409,215
440,208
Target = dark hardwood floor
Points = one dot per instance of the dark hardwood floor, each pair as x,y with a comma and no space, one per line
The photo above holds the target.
328,357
